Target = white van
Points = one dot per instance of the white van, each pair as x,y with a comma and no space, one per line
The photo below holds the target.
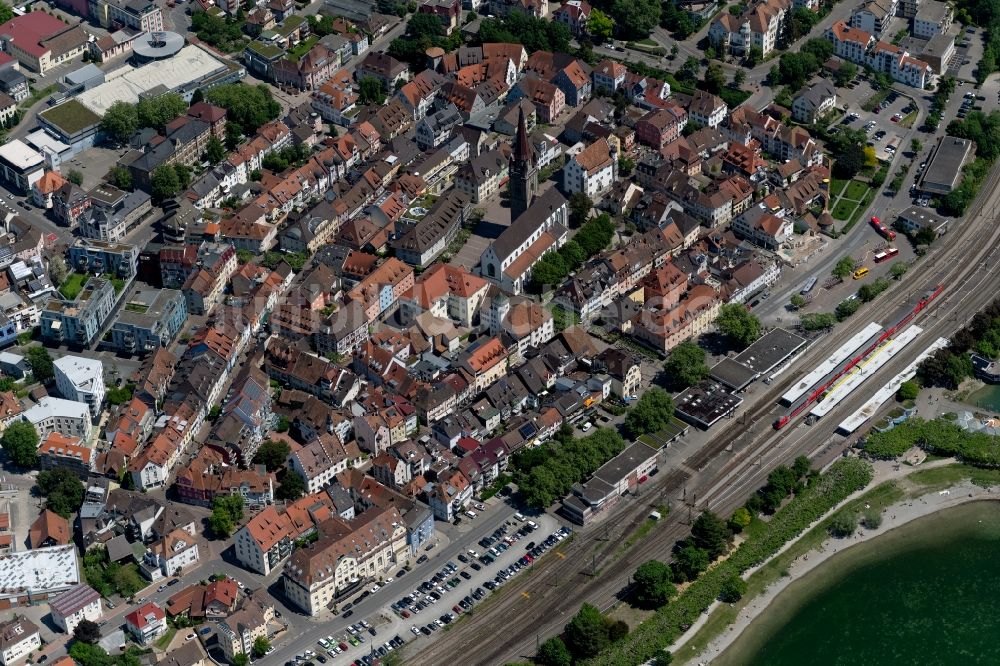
519,517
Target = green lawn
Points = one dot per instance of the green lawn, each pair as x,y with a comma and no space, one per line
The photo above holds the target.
72,286
908,120
646,42
837,186
856,190
842,211
163,641
302,48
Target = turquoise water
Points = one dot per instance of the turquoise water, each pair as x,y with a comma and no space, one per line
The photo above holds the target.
988,397
925,593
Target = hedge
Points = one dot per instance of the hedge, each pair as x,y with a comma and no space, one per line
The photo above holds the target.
650,638
940,436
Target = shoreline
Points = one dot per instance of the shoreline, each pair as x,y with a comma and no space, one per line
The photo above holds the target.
895,515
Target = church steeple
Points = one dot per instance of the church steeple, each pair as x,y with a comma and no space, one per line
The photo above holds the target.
523,174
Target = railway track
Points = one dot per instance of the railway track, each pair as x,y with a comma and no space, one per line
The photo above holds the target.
536,607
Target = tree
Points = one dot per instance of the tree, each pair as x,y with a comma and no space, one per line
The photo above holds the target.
554,652
198,96
75,177
291,487
62,489
635,19
665,658
739,78
711,534
843,268
797,301
227,511
617,631
41,363
847,149
740,520
801,467
164,181
685,365
653,584
57,269
817,321
690,562
916,146
121,178
908,390
625,166
20,441
715,79
843,524
371,91
272,455
600,25
183,172
120,121
846,308
422,26
247,107
260,646
156,112
651,413
736,322
214,150
898,269
845,74
87,631
240,659
733,589
587,633
572,254
689,70
580,206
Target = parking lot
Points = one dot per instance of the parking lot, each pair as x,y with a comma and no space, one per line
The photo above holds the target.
440,599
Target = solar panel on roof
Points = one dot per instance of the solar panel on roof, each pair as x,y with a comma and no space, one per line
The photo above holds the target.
527,430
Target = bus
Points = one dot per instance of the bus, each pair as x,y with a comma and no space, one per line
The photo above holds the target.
808,286
883,230
886,254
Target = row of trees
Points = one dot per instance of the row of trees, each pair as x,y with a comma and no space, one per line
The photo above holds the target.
225,34
548,472
122,119
555,265
949,366
247,108
536,34
422,32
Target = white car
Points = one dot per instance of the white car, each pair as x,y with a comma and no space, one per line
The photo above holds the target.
470,514
375,588
416,632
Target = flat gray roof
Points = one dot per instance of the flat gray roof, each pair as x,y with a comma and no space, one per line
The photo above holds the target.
945,168
733,374
705,403
619,467
770,350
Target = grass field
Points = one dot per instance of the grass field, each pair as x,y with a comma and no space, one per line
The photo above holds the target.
837,186
72,286
856,190
842,211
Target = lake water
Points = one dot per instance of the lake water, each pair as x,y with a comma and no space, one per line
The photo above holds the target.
924,593
987,397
